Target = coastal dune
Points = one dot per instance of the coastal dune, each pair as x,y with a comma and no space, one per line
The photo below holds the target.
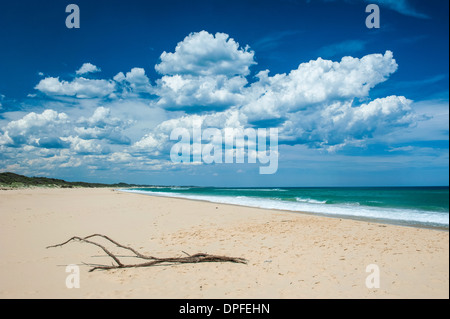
290,255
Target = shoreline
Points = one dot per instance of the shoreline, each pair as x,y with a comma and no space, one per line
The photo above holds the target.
289,255
355,218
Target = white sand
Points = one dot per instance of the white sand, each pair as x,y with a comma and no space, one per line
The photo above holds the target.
290,255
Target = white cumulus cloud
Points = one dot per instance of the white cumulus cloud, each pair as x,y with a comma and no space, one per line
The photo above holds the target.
87,68
84,147
32,127
317,81
202,53
102,125
200,93
134,81
342,123
78,87
127,121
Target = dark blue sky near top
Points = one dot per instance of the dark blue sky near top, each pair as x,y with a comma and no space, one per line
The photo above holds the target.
118,35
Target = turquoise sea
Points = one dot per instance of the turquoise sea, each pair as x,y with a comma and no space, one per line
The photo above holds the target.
415,206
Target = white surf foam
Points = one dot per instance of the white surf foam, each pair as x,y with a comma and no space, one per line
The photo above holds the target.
314,206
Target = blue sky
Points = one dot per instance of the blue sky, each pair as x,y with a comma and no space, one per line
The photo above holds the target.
354,106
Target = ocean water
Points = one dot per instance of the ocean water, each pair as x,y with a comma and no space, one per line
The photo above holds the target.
414,206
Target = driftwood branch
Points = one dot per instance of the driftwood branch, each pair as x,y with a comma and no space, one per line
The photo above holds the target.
151,261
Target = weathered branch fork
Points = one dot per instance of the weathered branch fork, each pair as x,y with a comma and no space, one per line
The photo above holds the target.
151,261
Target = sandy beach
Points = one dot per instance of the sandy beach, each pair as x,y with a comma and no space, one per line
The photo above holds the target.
290,255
